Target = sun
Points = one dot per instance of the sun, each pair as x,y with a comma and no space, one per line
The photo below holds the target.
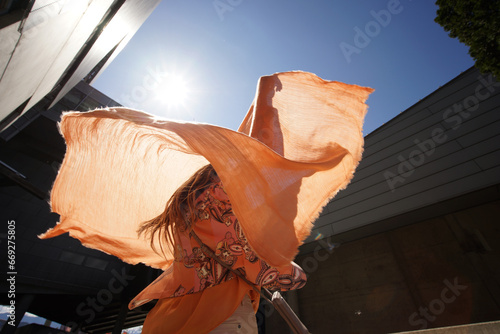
173,91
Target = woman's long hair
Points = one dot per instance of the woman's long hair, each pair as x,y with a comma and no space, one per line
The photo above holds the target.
167,226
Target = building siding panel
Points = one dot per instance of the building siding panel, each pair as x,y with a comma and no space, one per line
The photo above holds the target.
440,193
395,203
426,155
490,160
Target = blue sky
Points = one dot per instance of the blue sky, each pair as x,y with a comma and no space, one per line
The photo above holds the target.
219,49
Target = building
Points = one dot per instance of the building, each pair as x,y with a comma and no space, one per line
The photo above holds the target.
50,51
47,47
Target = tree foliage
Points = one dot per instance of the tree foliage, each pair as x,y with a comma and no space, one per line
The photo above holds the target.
476,23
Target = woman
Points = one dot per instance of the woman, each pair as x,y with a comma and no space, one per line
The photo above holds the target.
298,145
201,206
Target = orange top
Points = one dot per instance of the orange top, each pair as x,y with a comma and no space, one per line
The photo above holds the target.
194,272
298,145
219,229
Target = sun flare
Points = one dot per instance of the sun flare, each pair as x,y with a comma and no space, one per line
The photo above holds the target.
173,91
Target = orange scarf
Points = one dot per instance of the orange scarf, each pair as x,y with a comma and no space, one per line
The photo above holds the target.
298,145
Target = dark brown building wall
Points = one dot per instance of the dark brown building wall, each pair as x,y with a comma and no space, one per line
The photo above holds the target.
439,272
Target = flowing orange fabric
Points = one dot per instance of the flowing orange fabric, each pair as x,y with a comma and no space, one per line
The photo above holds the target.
297,147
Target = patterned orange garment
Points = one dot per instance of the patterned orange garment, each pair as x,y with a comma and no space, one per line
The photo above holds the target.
298,145
192,271
218,227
